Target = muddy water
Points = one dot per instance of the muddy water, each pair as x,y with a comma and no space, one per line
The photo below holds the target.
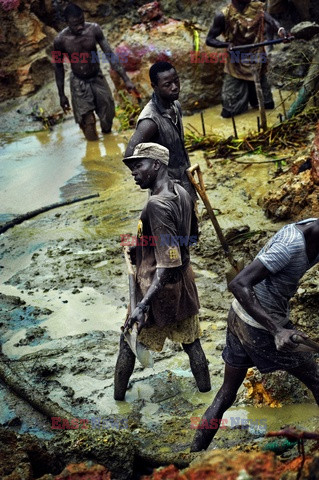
68,265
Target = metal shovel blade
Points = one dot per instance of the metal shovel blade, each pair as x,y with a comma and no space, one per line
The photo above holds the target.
143,355
140,351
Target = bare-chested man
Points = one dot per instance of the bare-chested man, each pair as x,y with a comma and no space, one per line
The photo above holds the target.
77,45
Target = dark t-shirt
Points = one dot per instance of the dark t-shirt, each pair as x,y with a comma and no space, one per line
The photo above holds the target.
167,227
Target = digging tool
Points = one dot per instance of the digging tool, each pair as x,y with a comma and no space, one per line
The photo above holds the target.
236,266
140,351
261,44
305,344
260,97
256,73
136,95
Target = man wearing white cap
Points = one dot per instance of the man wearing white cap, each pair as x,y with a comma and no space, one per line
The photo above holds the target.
168,300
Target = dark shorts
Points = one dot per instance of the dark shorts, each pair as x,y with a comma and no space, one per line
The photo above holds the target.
247,346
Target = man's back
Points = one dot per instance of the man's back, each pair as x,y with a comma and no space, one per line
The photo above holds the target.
285,257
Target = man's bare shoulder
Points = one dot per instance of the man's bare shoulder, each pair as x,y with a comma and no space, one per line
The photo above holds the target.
89,28
93,27
65,33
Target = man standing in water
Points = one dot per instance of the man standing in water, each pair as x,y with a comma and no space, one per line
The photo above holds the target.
242,23
161,122
259,331
168,301
90,92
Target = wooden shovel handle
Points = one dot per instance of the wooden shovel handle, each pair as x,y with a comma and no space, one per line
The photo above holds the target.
306,341
200,188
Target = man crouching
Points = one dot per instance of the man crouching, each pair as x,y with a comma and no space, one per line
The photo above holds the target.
168,300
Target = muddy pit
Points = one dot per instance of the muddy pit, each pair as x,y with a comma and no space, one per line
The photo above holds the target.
64,294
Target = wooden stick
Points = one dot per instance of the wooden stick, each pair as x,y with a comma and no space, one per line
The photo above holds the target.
260,97
200,188
261,44
234,126
27,392
283,103
203,123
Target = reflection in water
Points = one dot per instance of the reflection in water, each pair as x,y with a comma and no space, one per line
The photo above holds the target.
246,122
44,167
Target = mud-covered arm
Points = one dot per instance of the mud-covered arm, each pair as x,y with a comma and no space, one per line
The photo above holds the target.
242,289
217,28
167,255
113,58
57,59
146,131
161,277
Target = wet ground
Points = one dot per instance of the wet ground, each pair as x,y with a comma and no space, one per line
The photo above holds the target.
64,289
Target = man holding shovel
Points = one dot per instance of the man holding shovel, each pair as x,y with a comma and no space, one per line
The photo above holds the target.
165,288
241,23
259,331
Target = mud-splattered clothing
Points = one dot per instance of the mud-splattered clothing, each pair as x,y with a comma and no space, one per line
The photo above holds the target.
170,135
237,94
90,95
248,342
285,257
185,331
243,28
248,346
167,227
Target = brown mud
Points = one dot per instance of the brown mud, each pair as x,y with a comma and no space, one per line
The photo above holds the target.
64,293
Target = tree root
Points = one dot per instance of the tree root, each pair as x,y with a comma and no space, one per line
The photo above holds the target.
28,393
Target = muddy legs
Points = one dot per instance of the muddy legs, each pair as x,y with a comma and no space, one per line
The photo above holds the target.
123,369
309,375
198,364
126,361
233,378
88,126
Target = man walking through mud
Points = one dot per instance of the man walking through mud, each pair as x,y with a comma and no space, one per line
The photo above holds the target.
243,22
259,332
166,291
90,92
161,122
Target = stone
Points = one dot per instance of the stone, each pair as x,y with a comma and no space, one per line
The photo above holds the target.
305,30
173,41
84,471
22,74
